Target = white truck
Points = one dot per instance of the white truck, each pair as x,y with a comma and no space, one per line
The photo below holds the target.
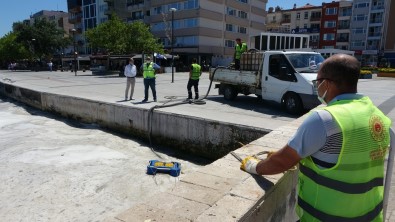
281,76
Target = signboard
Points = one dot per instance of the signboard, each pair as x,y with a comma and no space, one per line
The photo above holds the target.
305,30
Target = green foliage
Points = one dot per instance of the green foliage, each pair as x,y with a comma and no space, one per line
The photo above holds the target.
371,68
117,37
387,70
365,72
41,40
11,50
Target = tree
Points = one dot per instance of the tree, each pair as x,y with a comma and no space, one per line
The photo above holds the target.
11,50
43,38
117,37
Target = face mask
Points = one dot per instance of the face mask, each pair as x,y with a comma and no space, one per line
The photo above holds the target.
321,98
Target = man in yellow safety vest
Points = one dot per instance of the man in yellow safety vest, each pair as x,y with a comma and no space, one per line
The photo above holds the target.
340,149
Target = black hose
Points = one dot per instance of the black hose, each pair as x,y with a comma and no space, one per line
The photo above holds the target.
164,105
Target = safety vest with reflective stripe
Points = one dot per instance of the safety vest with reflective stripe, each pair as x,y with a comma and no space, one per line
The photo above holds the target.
352,190
149,71
240,50
195,71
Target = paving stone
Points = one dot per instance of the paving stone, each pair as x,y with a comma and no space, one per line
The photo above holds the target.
178,206
230,208
253,188
196,193
143,212
225,168
207,180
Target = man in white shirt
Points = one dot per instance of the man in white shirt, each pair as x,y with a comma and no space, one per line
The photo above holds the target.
130,73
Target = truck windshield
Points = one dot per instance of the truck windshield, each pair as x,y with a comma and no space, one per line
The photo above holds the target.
306,62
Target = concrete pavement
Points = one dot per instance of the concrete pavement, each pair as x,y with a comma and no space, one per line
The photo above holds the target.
223,186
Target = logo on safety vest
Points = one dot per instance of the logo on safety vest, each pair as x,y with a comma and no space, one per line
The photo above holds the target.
376,128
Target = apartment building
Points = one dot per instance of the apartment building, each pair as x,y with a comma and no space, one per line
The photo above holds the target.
60,18
298,20
205,29
329,25
366,39
389,35
343,25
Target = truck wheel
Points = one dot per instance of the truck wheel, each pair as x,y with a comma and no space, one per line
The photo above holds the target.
229,92
292,103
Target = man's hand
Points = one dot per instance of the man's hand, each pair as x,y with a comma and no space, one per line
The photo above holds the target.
249,163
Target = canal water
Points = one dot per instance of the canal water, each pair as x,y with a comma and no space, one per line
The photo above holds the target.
53,169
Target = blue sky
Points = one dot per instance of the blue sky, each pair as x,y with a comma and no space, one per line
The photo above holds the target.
18,10
288,4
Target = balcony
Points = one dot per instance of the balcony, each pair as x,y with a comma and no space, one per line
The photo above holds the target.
373,21
374,34
372,47
286,21
378,7
342,39
134,2
315,18
347,26
75,20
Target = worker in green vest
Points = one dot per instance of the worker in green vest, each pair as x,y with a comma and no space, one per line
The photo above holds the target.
240,48
149,68
194,75
340,149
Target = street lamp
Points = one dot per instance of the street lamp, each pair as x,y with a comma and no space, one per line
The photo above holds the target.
33,57
172,43
75,53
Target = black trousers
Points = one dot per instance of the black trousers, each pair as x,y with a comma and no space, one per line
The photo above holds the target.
195,84
149,83
237,64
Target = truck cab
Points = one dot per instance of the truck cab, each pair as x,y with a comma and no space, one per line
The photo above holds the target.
287,76
281,76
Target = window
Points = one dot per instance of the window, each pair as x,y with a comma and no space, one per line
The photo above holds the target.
191,4
231,11
280,68
360,17
158,10
242,30
314,38
342,37
331,11
315,15
243,1
361,5
344,24
306,15
298,15
329,36
137,15
229,27
229,43
358,43
305,26
345,11
242,14
315,26
358,31
330,24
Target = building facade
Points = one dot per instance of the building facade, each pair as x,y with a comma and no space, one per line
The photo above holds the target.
205,29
